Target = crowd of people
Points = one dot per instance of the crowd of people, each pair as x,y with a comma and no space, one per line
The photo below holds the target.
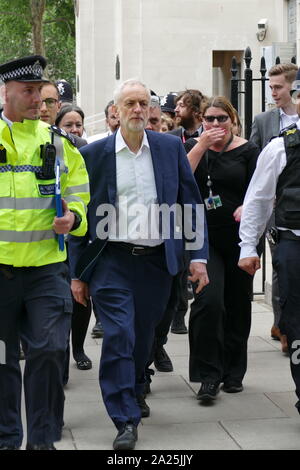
74,240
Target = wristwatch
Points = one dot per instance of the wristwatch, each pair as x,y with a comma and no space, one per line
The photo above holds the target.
77,221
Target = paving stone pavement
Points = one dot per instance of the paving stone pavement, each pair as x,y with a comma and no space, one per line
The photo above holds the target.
263,416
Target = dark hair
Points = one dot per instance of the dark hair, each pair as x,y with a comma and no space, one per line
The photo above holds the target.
109,104
68,109
191,98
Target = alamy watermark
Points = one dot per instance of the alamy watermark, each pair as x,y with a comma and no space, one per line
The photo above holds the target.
2,352
295,356
152,222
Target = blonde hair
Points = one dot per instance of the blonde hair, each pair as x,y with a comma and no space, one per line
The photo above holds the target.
288,70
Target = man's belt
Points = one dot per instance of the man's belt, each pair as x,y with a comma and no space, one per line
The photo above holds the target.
288,235
137,250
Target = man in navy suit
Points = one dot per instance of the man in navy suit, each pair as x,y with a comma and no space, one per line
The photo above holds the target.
132,173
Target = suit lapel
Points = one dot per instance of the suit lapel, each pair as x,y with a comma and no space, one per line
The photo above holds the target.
156,155
275,122
110,168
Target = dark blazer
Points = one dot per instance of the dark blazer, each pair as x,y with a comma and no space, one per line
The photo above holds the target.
175,183
178,132
265,126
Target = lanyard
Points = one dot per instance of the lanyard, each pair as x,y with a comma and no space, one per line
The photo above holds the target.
210,166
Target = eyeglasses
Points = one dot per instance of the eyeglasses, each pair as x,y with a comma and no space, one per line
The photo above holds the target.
220,119
50,102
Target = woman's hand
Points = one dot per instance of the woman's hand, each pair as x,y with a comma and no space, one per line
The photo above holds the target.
238,214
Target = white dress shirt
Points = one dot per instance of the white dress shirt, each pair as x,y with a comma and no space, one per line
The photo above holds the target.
260,196
287,119
136,195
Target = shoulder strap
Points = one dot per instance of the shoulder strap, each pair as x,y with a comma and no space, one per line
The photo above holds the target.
291,137
58,131
58,143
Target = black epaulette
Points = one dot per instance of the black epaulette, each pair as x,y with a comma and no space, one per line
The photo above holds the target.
291,136
286,130
62,133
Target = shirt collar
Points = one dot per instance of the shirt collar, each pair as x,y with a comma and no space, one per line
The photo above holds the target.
121,144
8,122
282,113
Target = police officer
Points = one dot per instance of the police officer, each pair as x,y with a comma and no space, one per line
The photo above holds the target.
35,299
277,176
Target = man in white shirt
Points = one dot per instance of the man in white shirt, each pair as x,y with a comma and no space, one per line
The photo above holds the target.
133,172
278,175
265,126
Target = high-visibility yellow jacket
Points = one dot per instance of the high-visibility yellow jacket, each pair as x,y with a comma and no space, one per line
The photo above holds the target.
27,203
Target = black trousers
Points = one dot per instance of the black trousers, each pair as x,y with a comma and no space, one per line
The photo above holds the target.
220,318
286,261
130,293
35,307
80,323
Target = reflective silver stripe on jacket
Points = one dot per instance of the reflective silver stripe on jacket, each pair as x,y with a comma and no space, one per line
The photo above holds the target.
74,199
25,203
57,141
26,237
81,188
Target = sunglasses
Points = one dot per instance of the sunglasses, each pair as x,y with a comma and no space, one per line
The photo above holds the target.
220,119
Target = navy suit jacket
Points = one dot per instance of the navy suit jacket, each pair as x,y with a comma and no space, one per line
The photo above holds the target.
175,183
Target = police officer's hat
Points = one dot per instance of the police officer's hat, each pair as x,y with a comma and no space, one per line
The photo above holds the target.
65,91
168,103
26,69
296,85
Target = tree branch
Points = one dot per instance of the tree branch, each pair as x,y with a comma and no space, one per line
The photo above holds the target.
56,20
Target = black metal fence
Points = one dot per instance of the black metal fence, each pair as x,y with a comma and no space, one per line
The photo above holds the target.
247,92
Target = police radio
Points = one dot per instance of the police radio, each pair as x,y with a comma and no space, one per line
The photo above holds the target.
48,155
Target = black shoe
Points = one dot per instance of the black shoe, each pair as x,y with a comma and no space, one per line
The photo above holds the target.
83,362
178,326
8,447
40,447
147,389
208,391
97,331
126,438
145,410
232,387
162,361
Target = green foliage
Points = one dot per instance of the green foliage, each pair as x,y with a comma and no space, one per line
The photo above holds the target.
59,35
60,39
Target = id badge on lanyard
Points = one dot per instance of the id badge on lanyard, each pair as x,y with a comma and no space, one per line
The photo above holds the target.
213,201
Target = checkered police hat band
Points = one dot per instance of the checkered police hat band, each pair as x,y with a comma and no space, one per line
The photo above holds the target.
27,72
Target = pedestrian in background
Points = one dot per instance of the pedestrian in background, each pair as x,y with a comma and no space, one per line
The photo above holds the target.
220,317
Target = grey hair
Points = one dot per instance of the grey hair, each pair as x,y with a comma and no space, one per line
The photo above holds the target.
155,102
130,82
